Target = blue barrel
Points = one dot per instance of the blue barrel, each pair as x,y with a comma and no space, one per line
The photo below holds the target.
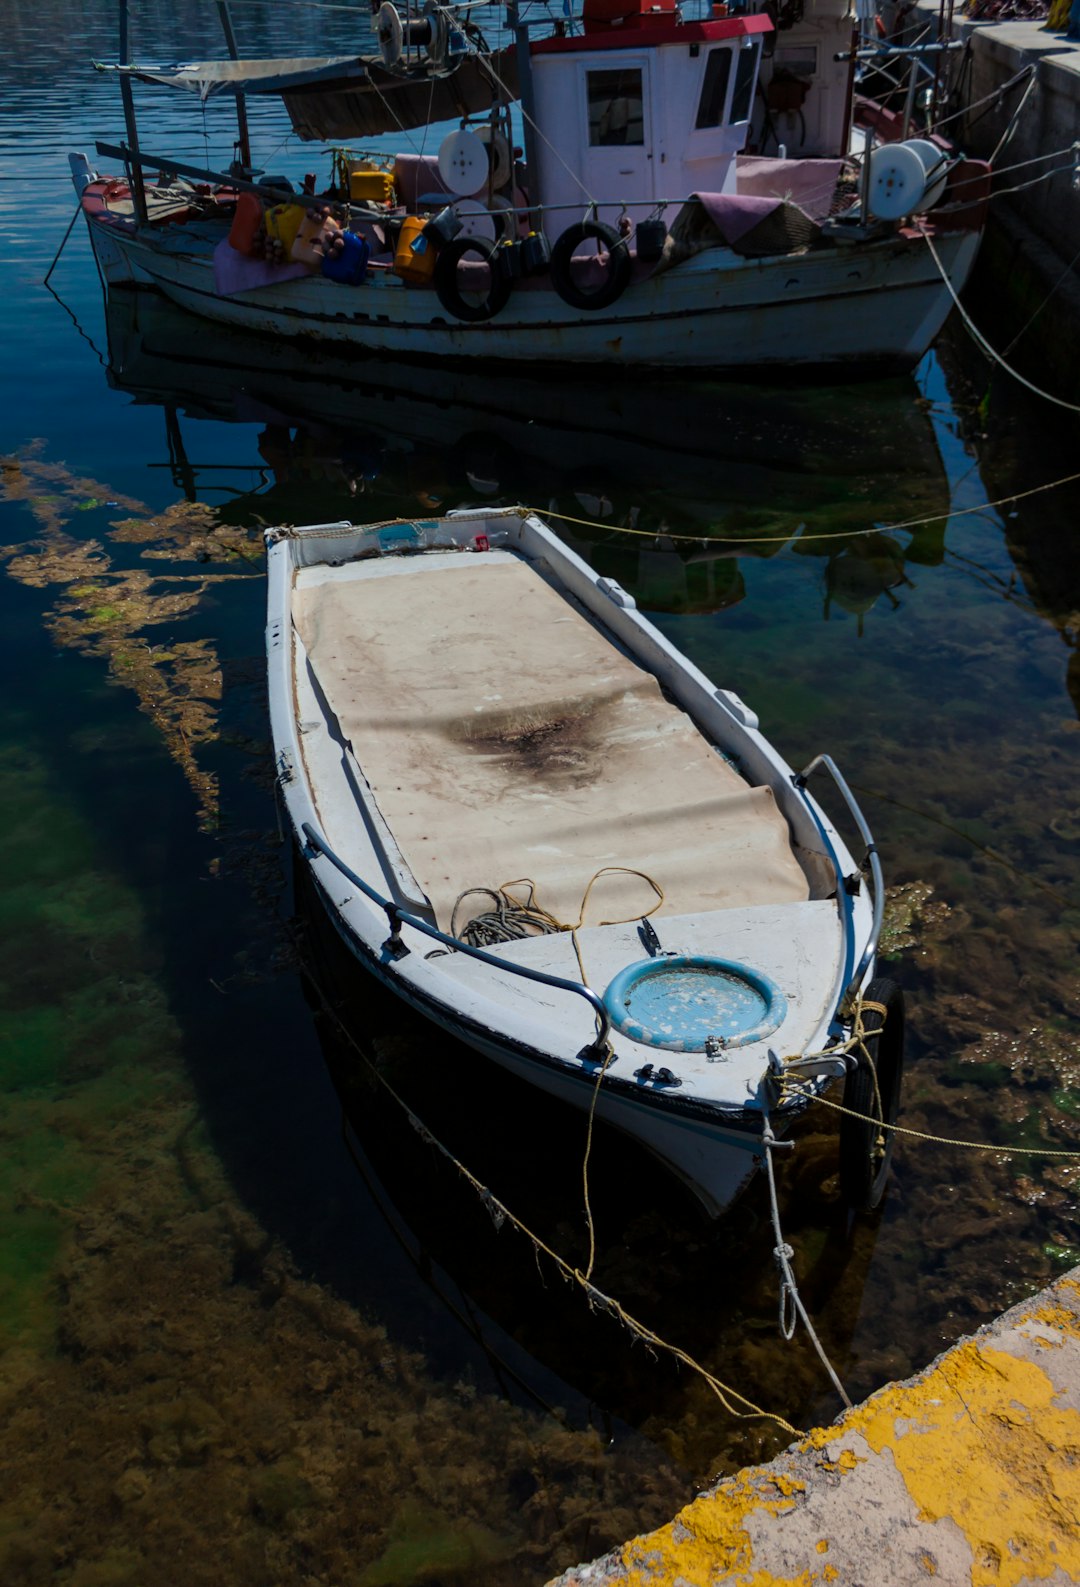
351,265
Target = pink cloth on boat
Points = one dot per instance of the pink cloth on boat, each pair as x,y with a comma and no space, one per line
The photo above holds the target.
415,174
809,183
235,272
734,215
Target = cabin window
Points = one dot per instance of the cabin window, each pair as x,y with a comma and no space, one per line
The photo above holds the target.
710,110
616,107
745,73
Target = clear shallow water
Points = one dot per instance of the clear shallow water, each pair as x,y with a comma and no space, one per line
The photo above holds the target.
230,1331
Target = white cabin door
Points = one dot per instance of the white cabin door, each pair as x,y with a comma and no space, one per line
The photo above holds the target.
618,132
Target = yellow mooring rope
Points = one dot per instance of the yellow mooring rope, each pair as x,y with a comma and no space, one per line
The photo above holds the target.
735,539
857,1040
530,909
935,1140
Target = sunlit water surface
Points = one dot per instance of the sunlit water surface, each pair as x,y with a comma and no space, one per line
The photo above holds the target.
241,1335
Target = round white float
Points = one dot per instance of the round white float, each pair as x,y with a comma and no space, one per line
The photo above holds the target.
463,162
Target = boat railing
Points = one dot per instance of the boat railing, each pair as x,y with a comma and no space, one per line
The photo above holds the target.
871,859
396,947
139,158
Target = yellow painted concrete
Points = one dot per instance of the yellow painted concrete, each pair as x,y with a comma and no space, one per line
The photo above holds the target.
980,1441
986,1442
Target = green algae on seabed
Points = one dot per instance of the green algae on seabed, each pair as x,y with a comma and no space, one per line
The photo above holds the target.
425,1544
910,916
170,1388
66,1036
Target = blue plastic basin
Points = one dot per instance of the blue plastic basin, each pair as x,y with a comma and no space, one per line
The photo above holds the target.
679,1002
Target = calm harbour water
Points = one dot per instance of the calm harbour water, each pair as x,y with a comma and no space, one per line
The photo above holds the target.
240,1336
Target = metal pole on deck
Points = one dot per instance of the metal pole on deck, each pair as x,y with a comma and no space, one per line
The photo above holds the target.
138,186
243,138
528,99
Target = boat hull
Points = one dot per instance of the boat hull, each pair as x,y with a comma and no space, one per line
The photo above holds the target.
875,305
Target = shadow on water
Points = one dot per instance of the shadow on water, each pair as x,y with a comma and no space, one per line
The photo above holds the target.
421,1107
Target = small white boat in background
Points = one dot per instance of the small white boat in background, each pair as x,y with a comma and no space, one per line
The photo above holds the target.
540,825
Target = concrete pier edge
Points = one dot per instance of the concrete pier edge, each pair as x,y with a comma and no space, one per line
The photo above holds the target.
965,1475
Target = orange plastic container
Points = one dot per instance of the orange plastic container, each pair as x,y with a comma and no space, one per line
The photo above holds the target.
414,256
247,223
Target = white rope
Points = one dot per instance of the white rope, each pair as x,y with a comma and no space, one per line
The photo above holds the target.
991,352
1006,136
995,93
790,1299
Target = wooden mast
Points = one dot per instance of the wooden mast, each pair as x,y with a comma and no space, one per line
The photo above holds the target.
138,186
243,139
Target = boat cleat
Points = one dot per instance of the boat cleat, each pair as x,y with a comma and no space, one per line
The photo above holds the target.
649,1075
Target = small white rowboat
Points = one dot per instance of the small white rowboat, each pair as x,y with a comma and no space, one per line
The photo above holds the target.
465,718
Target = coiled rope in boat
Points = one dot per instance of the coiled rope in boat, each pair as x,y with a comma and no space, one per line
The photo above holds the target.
509,920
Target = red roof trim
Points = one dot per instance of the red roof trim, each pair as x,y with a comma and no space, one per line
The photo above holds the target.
638,38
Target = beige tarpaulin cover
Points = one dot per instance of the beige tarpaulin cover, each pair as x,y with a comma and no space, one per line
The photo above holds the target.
504,736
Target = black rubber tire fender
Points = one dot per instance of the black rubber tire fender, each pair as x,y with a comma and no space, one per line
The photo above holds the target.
865,1148
620,265
446,281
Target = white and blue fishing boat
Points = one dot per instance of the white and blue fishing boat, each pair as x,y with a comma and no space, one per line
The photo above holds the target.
541,826
624,188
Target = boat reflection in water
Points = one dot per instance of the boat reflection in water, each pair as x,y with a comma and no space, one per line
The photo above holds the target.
664,485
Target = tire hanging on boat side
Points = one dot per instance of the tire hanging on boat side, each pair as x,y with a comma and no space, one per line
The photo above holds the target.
446,280
619,267
866,1148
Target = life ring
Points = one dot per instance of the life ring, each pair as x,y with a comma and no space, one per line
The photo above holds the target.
450,295
866,1148
619,266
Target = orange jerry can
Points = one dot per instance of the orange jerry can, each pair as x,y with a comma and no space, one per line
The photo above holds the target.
414,257
247,223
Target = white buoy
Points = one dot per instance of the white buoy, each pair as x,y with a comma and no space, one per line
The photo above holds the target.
475,222
463,162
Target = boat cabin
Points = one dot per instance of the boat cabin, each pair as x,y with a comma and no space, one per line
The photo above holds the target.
642,108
